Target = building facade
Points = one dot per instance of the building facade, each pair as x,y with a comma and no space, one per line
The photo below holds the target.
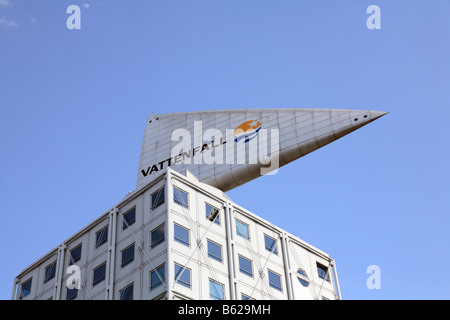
178,238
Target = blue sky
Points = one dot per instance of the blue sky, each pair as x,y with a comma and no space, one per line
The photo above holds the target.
73,107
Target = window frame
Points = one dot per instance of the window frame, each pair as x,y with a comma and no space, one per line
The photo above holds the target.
180,240
180,203
207,212
71,259
273,250
127,262
160,191
126,224
22,287
250,274
216,285
182,270
211,255
123,290
247,236
161,240
102,277
160,280
271,284
47,277
98,235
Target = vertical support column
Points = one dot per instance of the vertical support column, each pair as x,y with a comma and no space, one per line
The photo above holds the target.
170,271
336,280
230,251
13,294
59,274
287,267
111,259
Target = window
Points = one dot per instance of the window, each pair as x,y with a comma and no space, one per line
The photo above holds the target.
129,218
245,297
323,272
302,277
157,277
99,274
214,251
157,198
180,197
271,244
71,294
127,293
127,255
50,272
101,237
245,266
182,276
242,230
157,236
216,290
274,280
25,289
181,235
75,254
209,209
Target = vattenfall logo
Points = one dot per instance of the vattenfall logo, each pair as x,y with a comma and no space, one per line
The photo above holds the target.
209,147
247,130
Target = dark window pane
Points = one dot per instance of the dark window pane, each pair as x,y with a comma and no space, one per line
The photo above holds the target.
182,276
208,212
101,237
50,272
271,244
129,218
158,198
274,280
25,289
157,277
75,255
128,255
323,272
245,266
214,251
71,293
157,236
127,293
99,274
180,197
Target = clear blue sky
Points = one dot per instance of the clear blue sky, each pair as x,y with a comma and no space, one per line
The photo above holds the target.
73,107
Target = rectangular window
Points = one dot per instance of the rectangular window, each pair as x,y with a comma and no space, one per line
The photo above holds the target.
101,237
127,293
99,274
271,244
245,266
274,280
158,198
157,277
242,230
50,272
182,276
245,297
210,211
216,290
323,272
71,294
157,236
127,255
75,254
181,235
129,218
25,290
214,251
180,197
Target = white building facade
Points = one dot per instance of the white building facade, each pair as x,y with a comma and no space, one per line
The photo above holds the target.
178,238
